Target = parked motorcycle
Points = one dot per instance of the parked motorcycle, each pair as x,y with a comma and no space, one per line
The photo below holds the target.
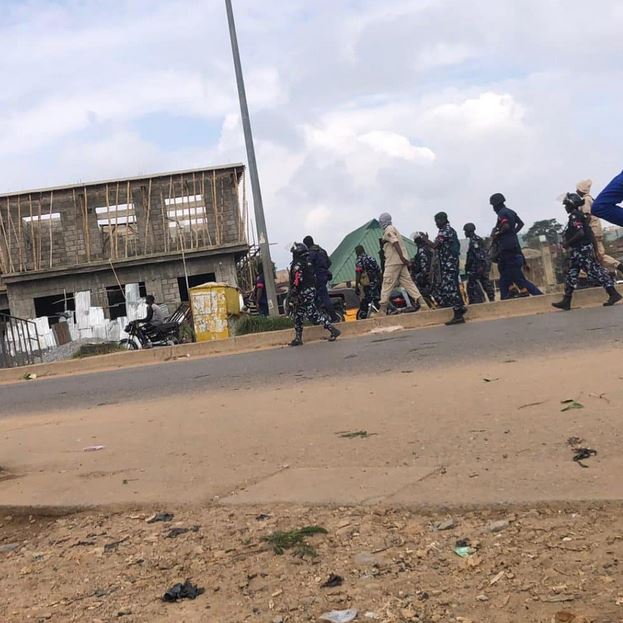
147,336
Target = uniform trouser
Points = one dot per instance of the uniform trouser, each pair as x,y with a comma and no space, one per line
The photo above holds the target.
478,282
307,308
322,294
398,275
448,293
510,267
370,295
607,261
583,259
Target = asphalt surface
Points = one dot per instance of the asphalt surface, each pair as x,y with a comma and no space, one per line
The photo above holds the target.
502,340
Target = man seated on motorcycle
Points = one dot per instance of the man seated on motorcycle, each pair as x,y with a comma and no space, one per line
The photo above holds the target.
155,316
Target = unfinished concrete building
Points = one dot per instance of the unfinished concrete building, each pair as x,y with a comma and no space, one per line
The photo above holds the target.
163,231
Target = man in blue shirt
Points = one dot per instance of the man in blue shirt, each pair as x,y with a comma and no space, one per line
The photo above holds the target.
605,206
510,258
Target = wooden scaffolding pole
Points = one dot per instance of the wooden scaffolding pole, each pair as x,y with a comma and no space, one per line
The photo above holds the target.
50,227
76,211
127,224
7,244
32,236
147,216
165,228
217,233
11,225
86,225
117,220
19,233
39,233
205,208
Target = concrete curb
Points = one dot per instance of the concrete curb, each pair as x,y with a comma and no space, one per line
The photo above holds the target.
593,297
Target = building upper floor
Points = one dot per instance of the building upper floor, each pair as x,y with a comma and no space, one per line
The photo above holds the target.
117,220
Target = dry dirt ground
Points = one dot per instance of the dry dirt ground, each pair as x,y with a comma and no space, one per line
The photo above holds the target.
544,565
493,435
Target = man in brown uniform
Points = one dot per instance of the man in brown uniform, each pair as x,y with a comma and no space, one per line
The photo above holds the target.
608,262
396,271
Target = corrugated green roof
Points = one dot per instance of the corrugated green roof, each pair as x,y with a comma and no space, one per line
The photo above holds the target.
343,258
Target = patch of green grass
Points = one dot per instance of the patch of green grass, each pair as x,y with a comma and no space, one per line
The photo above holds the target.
259,324
295,540
91,350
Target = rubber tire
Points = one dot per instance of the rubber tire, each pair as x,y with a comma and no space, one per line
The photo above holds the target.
128,344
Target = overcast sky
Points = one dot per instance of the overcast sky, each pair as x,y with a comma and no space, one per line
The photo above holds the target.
358,106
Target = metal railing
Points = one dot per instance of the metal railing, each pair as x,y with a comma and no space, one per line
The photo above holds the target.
19,342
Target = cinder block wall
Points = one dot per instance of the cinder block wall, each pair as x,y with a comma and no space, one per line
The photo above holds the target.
31,241
161,280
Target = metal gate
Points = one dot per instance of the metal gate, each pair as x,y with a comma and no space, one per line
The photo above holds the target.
19,342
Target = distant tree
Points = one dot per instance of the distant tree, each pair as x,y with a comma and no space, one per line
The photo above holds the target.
550,228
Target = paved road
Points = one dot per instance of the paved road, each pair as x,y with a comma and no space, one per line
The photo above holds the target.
503,340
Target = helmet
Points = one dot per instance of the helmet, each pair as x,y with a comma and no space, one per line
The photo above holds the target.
497,199
299,250
573,201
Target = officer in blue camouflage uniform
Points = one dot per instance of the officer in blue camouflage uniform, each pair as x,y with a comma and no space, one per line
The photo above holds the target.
421,267
580,240
477,267
448,249
368,276
302,295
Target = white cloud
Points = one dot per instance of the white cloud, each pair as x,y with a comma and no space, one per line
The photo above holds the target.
411,106
396,146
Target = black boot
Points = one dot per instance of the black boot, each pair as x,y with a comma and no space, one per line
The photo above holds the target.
615,297
298,340
565,304
457,318
334,333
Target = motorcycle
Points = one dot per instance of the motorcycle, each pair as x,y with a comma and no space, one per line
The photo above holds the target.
397,305
146,336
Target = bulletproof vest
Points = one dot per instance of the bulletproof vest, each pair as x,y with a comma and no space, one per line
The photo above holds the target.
304,266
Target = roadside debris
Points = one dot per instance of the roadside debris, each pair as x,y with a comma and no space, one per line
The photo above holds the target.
463,548
295,540
93,448
583,453
160,517
446,524
574,441
386,330
498,526
362,434
263,517
531,404
29,376
333,581
570,404
487,380
340,616
175,532
187,590
8,547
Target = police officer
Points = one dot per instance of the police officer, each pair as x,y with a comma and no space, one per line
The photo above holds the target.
421,267
368,277
396,266
448,249
579,239
477,267
302,295
321,263
508,253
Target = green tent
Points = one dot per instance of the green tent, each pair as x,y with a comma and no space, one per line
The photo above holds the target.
343,258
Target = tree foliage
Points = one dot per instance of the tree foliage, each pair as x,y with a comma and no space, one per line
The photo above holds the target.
550,228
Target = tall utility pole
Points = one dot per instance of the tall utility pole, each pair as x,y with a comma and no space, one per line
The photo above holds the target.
258,206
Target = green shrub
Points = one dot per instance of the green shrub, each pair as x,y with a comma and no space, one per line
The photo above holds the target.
90,350
259,324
